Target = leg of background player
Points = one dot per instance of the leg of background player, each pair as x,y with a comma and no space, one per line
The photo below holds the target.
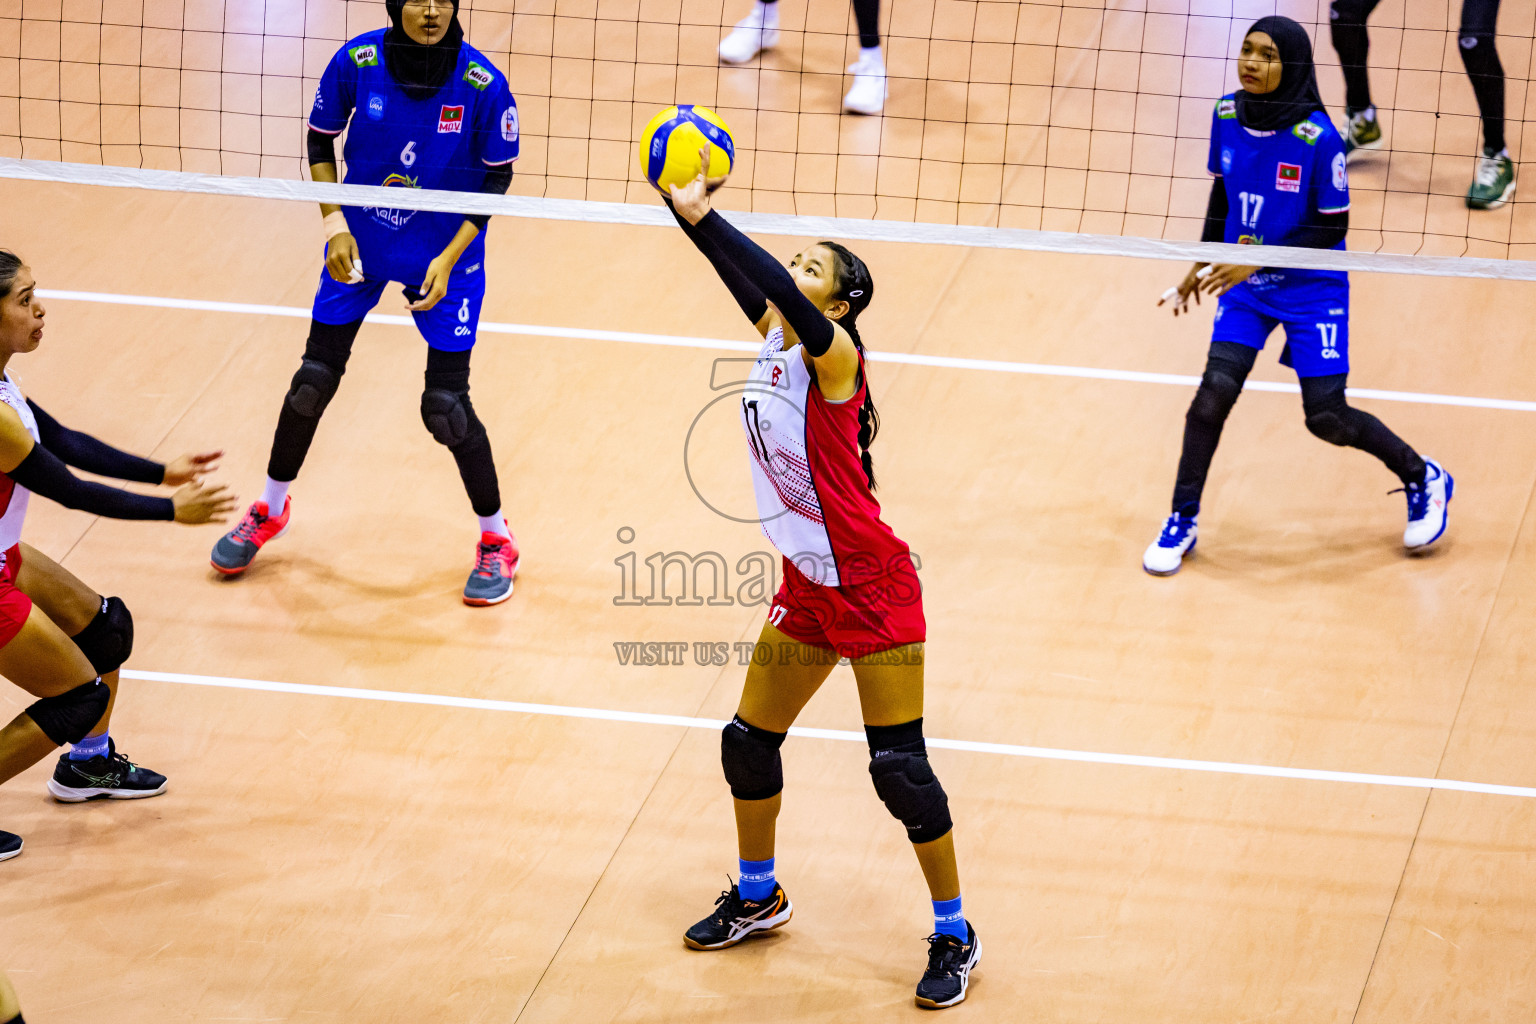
1427,486
450,417
1226,368
1493,184
757,32
868,92
1352,42
325,360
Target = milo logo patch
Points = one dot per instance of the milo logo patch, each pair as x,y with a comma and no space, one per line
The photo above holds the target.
478,76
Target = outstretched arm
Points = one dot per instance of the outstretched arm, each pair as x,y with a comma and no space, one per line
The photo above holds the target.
747,295
85,452
757,266
37,469
43,473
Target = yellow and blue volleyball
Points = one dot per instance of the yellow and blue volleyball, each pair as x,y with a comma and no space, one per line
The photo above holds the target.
670,144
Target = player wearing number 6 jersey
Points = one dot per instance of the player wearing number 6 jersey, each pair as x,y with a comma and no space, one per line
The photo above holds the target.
426,110
1281,180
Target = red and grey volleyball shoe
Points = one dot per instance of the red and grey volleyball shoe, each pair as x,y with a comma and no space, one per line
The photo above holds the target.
496,562
234,551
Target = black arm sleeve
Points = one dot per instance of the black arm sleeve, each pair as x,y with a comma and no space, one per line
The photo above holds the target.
497,181
1319,231
85,452
1216,213
747,295
322,147
42,473
809,324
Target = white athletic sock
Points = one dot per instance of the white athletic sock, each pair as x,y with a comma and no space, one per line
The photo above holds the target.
496,524
873,55
274,494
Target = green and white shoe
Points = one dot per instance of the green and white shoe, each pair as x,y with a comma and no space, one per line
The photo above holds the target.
1494,184
1364,132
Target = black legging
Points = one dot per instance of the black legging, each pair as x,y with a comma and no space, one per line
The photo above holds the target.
1329,417
867,14
331,344
1475,40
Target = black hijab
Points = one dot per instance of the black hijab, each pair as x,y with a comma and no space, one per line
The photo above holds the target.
420,70
1296,96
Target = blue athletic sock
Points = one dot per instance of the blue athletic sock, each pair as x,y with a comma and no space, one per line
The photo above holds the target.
755,882
91,746
948,919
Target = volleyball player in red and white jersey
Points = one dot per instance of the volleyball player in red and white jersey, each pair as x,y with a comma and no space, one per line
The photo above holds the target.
850,589
60,640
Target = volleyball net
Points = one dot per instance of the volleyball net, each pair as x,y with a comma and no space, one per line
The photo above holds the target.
1085,118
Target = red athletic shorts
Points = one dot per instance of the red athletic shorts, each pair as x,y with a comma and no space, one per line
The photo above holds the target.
14,605
855,620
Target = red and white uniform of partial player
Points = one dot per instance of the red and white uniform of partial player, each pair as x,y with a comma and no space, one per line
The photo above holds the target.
13,496
812,495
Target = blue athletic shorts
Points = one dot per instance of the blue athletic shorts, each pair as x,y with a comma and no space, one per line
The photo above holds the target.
449,326
1316,329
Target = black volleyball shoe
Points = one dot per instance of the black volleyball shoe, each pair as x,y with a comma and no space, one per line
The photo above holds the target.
735,918
949,969
112,777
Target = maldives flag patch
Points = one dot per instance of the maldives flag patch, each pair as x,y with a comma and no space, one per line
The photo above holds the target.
451,120
1287,177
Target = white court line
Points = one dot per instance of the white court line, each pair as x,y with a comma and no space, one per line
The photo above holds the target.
1005,749
655,215
681,341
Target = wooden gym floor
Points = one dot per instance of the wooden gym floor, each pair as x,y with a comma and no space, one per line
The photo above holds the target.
320,859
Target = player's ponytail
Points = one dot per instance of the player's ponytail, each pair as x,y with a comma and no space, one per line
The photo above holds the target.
856,287
10,266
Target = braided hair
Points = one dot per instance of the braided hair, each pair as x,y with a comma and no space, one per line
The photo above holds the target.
856,287
10,266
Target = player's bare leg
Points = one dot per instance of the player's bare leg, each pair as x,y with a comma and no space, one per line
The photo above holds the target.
891,698
102,629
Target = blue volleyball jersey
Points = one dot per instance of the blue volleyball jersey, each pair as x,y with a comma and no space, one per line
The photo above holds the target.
1274,180
446,141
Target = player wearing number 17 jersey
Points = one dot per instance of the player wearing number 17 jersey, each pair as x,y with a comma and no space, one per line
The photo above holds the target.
1280,179
426,111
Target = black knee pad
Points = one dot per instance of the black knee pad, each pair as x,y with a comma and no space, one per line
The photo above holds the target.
905,781
1336,426
313,387
448,415
70,717
1350,12
750,757
1215,397
1478,50
108,640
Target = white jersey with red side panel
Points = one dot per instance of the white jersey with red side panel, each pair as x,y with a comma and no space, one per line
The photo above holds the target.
13,496
812,496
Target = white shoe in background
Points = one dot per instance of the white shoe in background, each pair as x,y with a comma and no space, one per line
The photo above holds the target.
868,92
757,32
